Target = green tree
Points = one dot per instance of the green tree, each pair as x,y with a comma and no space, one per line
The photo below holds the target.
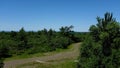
22,41
105,30
66,31
104,49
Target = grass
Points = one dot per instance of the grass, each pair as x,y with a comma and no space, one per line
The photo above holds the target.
68,63
55,63
24,56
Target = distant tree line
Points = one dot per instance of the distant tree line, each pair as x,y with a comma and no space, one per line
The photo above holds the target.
101,48
30,42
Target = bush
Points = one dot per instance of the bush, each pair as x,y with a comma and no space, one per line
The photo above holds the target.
101,49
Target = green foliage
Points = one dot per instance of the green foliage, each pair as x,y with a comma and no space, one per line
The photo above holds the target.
19,43
3,53
22,42
89,54
102,48
47,40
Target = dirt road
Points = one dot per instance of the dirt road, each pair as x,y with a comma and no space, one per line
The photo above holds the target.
59,56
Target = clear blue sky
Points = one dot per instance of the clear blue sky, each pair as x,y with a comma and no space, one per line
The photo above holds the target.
38,14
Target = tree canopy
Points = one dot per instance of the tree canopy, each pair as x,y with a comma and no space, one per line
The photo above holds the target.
101,49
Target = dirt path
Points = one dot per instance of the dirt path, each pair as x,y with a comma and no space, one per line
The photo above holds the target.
59,56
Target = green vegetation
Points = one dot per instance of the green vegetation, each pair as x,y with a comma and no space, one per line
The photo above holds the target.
24,56
3,54
22,44
101,49
52,59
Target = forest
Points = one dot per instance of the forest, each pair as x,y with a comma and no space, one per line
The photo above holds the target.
30,42
100,46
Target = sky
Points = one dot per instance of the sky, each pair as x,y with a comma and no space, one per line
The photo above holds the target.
36,15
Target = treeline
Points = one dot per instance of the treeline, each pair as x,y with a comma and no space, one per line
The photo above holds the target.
101,48
30,42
